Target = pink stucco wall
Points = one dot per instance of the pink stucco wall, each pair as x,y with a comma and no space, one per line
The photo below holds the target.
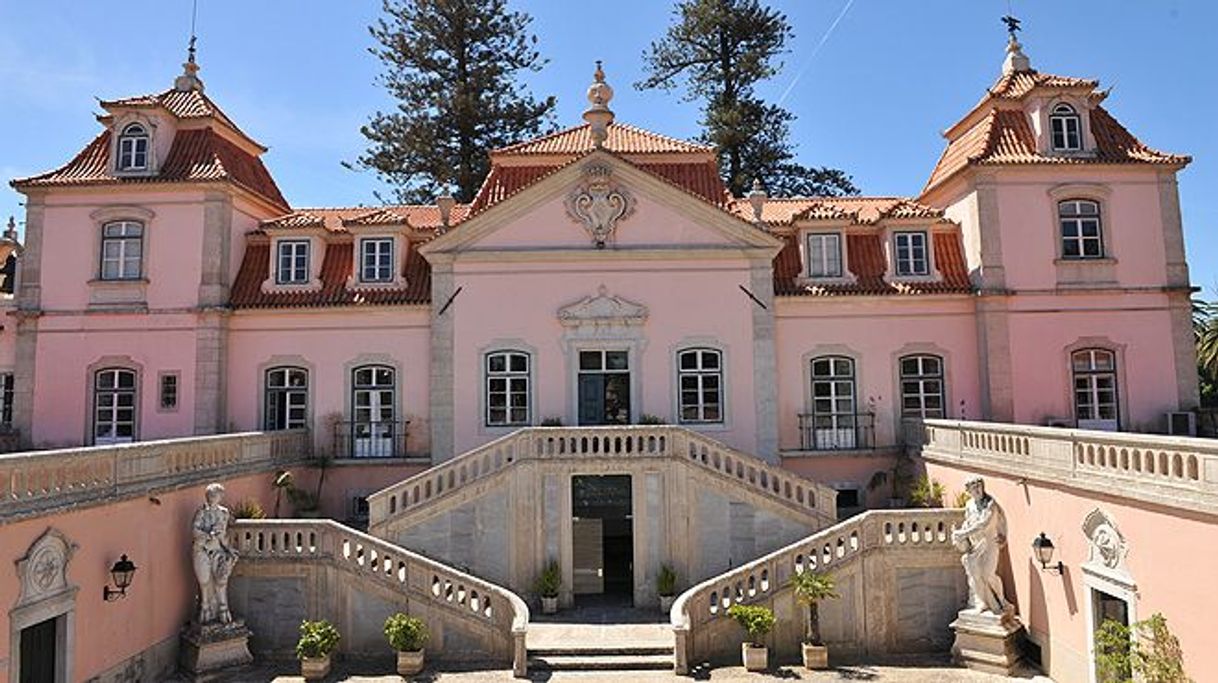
1170,557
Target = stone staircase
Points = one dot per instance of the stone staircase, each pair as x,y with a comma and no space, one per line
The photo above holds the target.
572,642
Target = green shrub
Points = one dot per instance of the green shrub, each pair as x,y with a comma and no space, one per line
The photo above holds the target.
648,419
405,633
317,639
666,581
248,509
961,499
758,621
303,500
1146,651
927,493
549,581
552,422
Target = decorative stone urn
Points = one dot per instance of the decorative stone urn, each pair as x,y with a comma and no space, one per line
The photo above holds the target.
815,656
756,657
315,668
410,662
549,605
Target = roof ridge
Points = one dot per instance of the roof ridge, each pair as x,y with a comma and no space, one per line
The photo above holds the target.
686,145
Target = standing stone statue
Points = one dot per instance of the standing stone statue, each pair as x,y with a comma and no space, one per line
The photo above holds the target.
213,557
981,539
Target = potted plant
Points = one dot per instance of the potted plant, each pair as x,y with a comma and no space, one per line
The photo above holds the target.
927,493
757,621
248,509
318,640
547,587
666,586
407,635
810,588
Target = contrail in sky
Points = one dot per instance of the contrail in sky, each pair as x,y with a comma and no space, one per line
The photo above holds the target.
823,39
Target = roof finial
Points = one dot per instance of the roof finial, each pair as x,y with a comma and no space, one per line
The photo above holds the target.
10,231
1016,60
757,198
598,114
189,80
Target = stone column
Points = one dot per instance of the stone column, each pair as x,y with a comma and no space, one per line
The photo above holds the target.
765,373
993,336
441,377
24,367
211,371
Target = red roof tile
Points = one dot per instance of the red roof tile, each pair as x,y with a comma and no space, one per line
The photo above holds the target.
855,210
199,155
866,262
623,139
183,104
420,217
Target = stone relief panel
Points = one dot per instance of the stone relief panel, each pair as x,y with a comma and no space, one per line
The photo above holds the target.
603,312
43,572
1107,547
598,203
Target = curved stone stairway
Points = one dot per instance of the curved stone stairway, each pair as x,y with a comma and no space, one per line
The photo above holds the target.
601,639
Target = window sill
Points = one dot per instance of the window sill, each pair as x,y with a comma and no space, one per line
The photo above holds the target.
355,284
270,286
1086,272
1107,260
808,281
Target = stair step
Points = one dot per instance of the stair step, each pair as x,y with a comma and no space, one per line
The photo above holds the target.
601,650
588,662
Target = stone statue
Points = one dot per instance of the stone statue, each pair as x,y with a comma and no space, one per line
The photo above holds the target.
981,538
213,557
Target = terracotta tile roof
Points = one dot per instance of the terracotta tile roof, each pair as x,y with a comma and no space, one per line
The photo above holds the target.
1015,85
623,139
183,104
199,155
421,217
335,271
855,210
866,262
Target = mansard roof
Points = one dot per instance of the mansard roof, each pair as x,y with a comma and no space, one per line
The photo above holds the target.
852,210
182,104
196,156
866,262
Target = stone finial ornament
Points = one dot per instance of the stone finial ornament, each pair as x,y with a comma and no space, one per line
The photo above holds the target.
445,203
981,538
1015,60
599,203
598,114
757,197
189,80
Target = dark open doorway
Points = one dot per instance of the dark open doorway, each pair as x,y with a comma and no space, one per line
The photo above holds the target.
604,387
38,655
603,538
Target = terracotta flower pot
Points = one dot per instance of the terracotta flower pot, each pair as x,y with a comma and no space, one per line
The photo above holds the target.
756,658
549,605
666,603
315,668
816,656
410,662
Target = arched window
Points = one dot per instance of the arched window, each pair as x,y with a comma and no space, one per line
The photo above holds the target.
921,386
1065,127
834,420
373,397
114,405
700,378
507,389
1095,389
287,399
1082,237
133,148
122,250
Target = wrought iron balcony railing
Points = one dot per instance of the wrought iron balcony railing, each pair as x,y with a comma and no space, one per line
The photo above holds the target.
385,439
837,431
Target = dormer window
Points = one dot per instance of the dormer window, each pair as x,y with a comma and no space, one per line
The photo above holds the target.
376,259
133,148
911,258
1066,129
824,255
292,262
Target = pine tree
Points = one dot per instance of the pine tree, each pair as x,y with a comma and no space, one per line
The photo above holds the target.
721,49
452,67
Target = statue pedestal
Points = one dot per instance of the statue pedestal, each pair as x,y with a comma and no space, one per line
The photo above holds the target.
987,642
210,649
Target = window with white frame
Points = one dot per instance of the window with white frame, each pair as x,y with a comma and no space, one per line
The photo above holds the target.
286,399
1065,127
1095,389
133,148
824,255
1082,237
376,259
373,409
921,386
507,388
700,378
292,264
834,411
122,250
114,405
910,254
6,401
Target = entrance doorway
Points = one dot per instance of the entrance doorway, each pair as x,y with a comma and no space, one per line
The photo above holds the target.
1107,608
604,388
38,653
602,538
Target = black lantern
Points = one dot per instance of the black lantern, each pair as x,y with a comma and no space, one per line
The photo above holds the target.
121,573
1043,547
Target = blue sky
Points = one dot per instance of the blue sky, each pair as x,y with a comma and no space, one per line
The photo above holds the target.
872,100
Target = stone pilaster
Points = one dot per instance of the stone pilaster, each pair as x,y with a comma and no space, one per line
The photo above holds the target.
211,371
1173,230
994,360
1184,348
217,236
765,373
989,236
29,277
24,368
440,388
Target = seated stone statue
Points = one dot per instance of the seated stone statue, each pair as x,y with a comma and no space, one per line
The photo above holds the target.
981,538
213,557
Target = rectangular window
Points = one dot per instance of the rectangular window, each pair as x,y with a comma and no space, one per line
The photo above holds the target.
286,399
114,404
824,255
376,260
168,388
507,389
293,264
1082,237
6,401
700,378
911,255
922,386
122,250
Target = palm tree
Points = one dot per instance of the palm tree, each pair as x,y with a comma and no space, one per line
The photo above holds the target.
810,588
1205,327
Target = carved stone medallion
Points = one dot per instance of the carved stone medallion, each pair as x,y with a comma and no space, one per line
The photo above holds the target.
599,203
44,569
1106,543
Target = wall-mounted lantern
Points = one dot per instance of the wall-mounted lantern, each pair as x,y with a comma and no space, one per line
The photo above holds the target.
121,573
1043,547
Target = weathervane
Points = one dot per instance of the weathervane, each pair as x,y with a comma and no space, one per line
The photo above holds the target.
1012,25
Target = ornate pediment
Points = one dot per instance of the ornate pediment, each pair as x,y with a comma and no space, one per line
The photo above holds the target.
43,572
603,310
598,202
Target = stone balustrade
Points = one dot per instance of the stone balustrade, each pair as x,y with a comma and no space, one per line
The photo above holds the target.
1167,470
34,482
631,442
702,609
493,619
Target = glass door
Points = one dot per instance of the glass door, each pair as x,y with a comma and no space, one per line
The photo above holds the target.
372,408
604,387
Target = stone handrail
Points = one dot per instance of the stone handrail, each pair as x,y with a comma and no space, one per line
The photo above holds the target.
825,550
627,442
37,481
1166,470
416,578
